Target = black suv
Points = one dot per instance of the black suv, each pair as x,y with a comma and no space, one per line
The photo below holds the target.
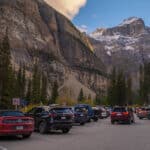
47,118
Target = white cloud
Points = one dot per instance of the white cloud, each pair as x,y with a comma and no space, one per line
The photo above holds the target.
83,28
69,8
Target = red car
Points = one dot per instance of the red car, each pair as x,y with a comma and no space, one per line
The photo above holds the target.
122,114
144,113
15,123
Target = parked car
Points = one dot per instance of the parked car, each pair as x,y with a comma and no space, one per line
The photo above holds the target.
96,113
144,113
55,118
15,123
103,113
122,114
88,109
80,115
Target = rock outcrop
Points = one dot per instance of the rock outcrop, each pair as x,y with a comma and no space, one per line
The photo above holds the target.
37,31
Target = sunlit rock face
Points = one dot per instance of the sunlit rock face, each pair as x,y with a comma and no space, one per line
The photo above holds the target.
38,32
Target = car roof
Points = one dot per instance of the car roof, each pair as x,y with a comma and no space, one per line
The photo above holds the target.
6,110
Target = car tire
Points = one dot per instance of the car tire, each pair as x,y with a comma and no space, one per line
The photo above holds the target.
129,121
82,123
65,131
43,127
95,120
112,122
140,118
25,136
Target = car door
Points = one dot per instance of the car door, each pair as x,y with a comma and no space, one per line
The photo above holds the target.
37,115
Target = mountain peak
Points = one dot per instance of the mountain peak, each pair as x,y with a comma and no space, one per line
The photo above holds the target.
131,20
130,27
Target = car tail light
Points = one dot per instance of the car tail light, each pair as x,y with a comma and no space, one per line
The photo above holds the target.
113,113
125,113
1,121
53,115
30,121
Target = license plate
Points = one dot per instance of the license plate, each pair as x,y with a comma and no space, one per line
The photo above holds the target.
119,114
63,118
19,128
103,114
81,115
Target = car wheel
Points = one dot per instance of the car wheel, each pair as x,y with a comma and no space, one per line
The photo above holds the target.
26,135
43,127
133,121
95,120
89,120
65,130
140,118
148,117
129,121
112,122
82,123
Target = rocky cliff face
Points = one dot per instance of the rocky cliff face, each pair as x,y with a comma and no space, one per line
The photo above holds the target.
125,46
37,31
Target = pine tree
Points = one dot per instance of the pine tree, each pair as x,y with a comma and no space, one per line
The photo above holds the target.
6,74
117,88
36,85
23,82
44,89
19,83
141,81
129,91
145,84
97,99
29,91
112,89
121,89
81,96
55,93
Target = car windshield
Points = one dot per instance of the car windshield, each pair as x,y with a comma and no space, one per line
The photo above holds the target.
61,110
79,109
119,109
11,113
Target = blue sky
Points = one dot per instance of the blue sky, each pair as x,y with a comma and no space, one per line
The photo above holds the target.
109,13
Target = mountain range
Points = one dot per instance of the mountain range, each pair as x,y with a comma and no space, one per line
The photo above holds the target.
126,46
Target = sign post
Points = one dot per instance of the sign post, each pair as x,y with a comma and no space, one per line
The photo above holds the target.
16,102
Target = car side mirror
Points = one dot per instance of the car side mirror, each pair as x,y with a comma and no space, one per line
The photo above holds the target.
26,114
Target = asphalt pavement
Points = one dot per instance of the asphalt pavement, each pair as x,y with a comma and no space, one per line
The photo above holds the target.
93,136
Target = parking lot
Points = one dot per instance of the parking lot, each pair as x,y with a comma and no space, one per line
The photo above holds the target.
93,136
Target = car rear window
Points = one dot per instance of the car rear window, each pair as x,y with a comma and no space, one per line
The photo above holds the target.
61,110
11,113
120,109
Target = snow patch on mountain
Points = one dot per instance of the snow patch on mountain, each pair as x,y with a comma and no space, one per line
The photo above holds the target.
108,53
128,47
129,21
100,37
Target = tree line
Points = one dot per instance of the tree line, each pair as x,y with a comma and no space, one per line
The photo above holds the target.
34,89
16,84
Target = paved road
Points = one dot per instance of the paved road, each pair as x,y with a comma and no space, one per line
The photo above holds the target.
93,136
